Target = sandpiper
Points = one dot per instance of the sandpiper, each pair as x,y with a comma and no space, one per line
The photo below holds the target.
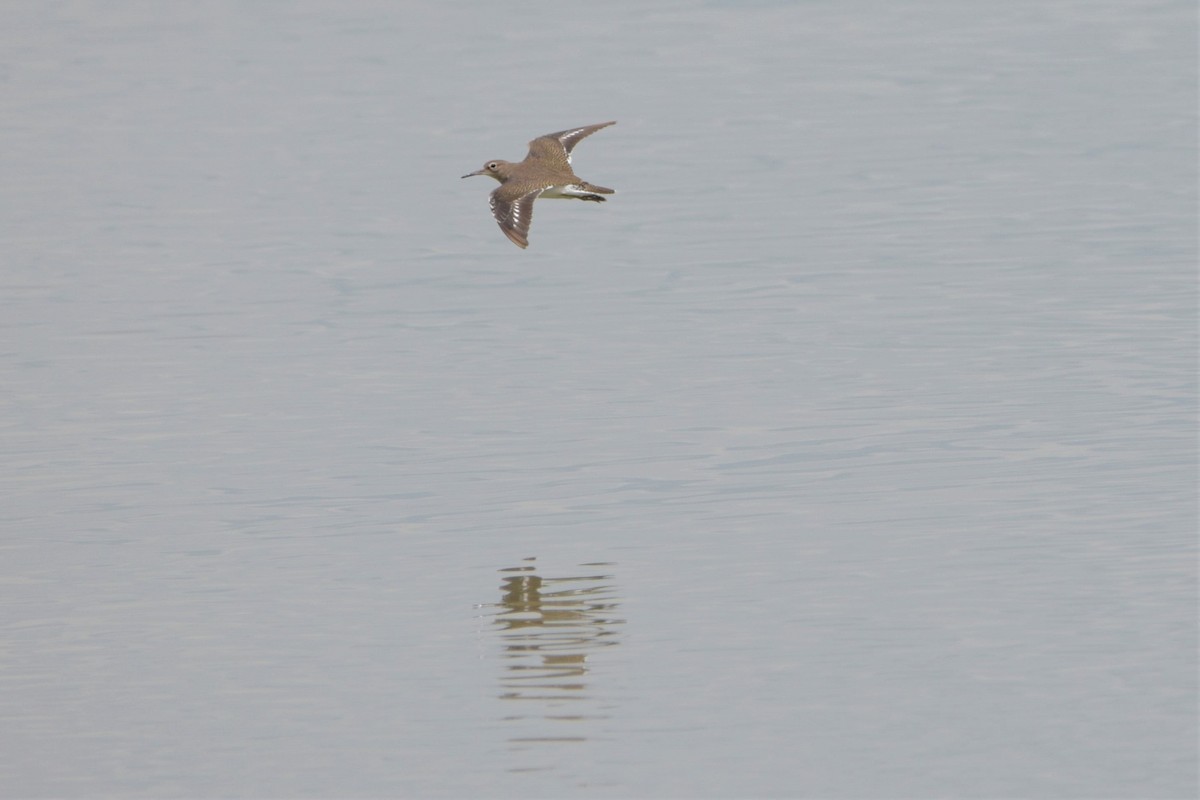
545,172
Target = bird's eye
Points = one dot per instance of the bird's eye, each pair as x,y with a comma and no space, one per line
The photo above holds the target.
493,165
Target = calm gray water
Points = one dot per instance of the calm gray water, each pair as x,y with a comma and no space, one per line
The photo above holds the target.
849,451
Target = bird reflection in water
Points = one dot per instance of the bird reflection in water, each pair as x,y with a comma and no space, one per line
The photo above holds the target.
549,628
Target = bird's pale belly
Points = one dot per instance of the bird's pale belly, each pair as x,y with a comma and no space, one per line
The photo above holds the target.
564,192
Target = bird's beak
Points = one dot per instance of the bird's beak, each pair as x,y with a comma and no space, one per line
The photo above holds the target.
476,172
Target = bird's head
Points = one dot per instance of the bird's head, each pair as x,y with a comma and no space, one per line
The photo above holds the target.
493,169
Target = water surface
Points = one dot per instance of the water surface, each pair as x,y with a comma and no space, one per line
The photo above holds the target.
850,450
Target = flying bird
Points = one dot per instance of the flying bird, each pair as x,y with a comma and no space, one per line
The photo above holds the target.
545,172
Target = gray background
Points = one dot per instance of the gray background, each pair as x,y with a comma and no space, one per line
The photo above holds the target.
848,451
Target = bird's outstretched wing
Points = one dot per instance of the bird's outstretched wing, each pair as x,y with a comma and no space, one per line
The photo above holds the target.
560,144
514,216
